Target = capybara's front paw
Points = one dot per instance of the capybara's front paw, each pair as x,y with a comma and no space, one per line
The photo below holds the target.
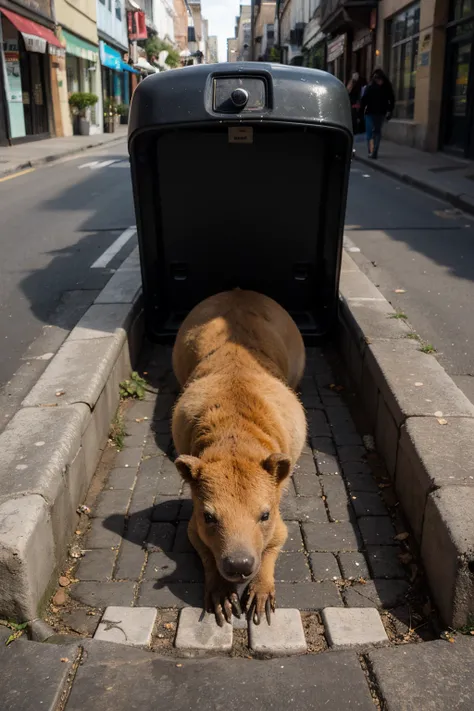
221,598
260,599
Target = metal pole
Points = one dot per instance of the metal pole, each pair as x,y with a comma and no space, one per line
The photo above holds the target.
252,30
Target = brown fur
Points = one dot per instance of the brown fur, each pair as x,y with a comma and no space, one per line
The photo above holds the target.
239,430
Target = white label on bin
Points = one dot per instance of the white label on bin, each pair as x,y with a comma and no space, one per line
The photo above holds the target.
241,134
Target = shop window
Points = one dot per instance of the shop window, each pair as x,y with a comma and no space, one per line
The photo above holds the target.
460,9
404,31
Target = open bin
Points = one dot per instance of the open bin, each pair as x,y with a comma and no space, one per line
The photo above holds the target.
240,175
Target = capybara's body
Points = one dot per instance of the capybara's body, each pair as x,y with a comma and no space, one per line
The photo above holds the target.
238,429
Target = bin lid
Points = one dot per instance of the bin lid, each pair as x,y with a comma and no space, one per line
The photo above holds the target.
185,96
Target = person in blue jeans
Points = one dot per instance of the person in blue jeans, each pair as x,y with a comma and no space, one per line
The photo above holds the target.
377,104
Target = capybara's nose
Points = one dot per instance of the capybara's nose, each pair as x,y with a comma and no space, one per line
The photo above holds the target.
239,565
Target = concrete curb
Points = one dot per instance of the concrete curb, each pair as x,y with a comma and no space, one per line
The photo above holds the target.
456,200
36,163
50,449
424,429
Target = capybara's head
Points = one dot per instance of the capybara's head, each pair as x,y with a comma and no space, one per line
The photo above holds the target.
236,502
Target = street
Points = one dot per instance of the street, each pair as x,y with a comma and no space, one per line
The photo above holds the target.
92,494
412,242
57,221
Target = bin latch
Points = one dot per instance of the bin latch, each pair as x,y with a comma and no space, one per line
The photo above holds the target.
179,271
301,271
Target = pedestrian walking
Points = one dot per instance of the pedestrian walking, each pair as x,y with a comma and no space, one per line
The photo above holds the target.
354,88
377,104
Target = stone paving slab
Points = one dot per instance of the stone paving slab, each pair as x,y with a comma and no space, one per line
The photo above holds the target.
125,625
353,627
112,677
283,637
138,552
197,631
33,676
435,676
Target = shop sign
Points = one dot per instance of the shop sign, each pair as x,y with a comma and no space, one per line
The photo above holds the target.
56,51
136,23
109,57
362,42
425,50
33,43
336,48
12,65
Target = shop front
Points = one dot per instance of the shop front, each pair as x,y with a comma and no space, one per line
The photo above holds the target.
115,75
336,56
457,129
314,45
363,50
83,73
27,48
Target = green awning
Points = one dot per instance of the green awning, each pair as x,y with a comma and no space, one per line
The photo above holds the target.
80,48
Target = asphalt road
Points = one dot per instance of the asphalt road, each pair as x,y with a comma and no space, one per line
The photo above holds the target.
411,241
56,222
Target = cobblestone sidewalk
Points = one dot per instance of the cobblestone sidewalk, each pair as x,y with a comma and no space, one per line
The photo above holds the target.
346,546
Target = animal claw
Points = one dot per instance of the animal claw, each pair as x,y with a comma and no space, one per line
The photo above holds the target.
236,605
268,610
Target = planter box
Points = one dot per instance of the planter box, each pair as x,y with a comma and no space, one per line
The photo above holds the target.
84,127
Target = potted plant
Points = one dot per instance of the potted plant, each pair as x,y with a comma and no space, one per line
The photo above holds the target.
109,115
122,111
79,103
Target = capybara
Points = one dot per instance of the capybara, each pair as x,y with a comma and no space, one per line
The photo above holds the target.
239,429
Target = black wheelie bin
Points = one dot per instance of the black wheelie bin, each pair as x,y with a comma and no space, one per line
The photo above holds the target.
240,175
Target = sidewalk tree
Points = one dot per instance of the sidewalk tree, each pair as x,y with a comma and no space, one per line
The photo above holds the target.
155,45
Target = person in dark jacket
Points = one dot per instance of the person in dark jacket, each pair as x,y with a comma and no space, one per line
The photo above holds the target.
354,89
377,104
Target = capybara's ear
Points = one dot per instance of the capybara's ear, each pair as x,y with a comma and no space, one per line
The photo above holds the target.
189,467
278,465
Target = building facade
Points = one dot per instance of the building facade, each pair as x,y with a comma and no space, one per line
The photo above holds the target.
79,71
425,47
232,49
114,53
213,49
349,26
264,15
30,49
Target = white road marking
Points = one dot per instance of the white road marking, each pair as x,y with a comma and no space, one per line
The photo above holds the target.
103,164
114,248
88,165
121,164
97,164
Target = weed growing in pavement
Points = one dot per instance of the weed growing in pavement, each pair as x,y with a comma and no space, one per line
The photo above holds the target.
117,431
468,628
17,630
133,388
414,336
427,348
399,314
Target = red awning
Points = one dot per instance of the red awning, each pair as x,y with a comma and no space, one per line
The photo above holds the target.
31,31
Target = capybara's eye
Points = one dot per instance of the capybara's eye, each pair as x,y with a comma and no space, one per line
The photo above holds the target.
209,518
265,516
